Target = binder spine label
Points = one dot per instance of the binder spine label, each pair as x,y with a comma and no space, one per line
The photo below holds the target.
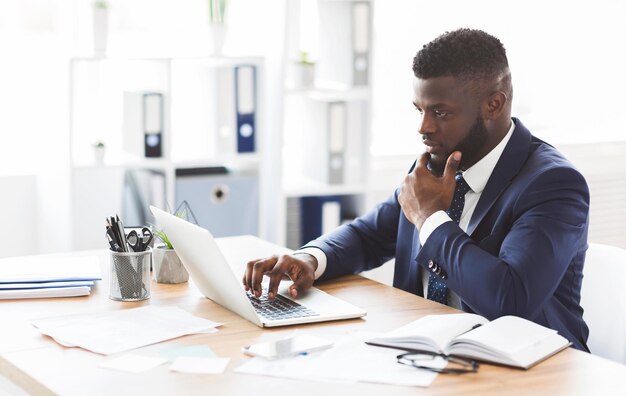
336,142
153,124
360,43
245,88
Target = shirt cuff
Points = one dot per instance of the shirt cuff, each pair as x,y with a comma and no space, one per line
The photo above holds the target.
430,225
319,255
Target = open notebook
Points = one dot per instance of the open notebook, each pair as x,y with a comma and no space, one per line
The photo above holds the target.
508,340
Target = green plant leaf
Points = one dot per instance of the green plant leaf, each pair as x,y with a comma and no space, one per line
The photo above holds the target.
159,233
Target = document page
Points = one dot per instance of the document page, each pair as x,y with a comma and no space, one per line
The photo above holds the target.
72,291
349,360
118,331
45,285
46,269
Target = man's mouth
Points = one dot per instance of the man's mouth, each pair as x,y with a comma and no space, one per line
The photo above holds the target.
432,147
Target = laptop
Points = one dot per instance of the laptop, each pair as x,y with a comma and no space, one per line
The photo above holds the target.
212,274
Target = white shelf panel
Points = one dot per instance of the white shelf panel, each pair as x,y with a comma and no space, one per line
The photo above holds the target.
209,61
332,95
240,162
301,187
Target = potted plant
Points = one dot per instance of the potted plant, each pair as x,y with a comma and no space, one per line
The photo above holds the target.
303,71
167,267
217,26
100,27
99,149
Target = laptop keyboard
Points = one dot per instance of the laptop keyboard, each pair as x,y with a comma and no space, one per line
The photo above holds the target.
279,308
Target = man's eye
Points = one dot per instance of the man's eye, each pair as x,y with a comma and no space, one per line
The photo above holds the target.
419,110
440,114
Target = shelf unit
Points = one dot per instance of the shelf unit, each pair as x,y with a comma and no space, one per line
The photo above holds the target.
326,129
199,130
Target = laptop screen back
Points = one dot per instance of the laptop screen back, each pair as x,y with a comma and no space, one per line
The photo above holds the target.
206,264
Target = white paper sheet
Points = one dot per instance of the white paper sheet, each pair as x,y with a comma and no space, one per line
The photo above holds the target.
350,360
118,331
44,285
45,293
46,269
133,363
198,365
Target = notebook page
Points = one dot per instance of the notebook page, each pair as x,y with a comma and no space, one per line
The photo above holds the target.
508,335
439,329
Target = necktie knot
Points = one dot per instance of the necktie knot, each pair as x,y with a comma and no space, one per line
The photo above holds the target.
461,185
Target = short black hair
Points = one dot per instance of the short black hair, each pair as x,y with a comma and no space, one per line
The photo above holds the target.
468,54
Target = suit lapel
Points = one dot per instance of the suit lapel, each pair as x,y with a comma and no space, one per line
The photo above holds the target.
511,161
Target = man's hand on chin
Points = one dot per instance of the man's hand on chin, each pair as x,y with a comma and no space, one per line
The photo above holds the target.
422,193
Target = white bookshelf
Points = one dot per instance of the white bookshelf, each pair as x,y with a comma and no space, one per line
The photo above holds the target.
307,105
96,86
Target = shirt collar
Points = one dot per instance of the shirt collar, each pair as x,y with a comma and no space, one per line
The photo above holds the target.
478,174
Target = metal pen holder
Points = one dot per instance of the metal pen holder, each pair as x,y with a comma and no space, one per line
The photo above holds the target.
130,275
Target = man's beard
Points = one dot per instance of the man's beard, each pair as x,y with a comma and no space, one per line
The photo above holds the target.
470,147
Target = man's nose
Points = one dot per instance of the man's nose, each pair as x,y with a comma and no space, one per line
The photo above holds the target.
427,124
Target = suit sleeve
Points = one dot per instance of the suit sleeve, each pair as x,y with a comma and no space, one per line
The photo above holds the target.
548,228
367,242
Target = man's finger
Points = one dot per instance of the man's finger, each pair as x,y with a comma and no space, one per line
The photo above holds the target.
423,161
293,291
276,275
258,270
452,165
247,275
297,289
301,281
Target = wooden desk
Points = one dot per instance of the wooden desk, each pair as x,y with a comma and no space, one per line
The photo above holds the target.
41,366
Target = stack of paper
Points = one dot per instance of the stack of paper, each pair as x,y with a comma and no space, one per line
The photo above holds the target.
39,277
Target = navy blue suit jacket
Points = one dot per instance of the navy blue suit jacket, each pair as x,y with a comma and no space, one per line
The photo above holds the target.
523,252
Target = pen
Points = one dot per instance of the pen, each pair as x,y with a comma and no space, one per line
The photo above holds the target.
473,327
112,242
112,238
123,241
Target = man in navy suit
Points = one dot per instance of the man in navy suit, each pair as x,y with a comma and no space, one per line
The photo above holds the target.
508,237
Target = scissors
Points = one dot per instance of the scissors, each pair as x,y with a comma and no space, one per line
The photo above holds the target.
137,242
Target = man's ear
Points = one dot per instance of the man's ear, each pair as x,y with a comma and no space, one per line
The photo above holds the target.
494,105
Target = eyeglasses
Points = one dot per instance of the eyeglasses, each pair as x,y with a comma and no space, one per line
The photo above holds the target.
425,360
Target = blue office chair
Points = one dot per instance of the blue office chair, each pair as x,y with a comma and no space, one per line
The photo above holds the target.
603,297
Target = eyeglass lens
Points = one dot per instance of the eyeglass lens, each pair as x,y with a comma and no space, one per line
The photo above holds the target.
438,363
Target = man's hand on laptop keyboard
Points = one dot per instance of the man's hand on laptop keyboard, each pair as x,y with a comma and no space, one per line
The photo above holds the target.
300,268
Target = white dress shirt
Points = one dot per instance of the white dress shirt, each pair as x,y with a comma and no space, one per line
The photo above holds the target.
476,177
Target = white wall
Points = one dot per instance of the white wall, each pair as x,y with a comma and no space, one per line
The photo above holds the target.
568,76
566,57
18,208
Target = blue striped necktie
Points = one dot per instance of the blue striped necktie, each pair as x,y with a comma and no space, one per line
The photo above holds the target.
437,290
